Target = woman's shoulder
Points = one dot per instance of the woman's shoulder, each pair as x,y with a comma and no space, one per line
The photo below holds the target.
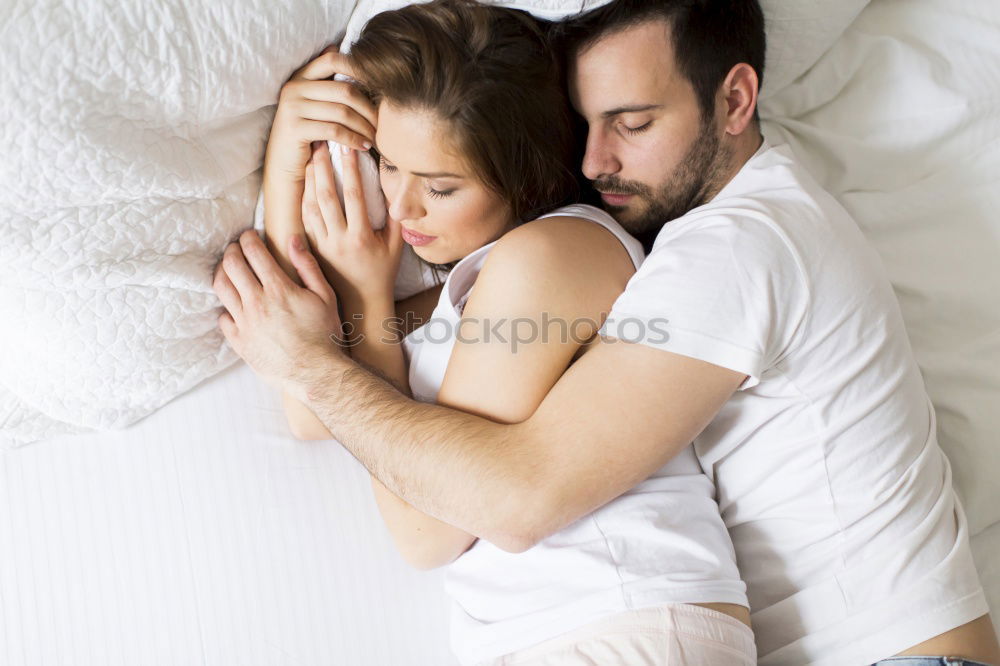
559,259
564,241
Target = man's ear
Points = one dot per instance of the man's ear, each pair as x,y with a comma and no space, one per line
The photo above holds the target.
739,94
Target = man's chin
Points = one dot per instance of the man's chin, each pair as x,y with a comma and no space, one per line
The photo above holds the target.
629,216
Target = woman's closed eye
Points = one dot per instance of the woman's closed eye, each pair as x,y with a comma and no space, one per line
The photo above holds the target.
385,166
437,194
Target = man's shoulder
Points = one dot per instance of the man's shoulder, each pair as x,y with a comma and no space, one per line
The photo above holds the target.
771,210
775,184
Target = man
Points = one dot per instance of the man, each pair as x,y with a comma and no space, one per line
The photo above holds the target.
784,360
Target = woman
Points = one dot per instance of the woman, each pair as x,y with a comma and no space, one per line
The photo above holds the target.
474,147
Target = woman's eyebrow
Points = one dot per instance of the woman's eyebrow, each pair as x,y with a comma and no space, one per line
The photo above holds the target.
437,174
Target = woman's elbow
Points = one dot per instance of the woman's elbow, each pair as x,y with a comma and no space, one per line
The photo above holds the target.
307,431
423,560
421,564
427,556
302,423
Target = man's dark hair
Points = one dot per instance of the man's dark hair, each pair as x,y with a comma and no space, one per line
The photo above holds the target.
710,37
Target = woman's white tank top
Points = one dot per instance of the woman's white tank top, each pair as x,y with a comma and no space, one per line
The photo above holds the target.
661,542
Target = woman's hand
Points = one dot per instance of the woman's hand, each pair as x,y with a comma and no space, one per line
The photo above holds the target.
311,108
360,262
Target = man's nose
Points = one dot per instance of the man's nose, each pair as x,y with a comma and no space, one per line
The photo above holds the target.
405,201
599,160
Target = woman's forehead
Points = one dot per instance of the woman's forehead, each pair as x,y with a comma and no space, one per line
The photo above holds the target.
418,140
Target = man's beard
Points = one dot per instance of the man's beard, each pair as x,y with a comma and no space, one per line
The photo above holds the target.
692,183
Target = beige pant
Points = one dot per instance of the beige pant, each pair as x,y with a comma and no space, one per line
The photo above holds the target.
672,635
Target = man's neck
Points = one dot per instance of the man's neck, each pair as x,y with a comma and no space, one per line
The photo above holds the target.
744,147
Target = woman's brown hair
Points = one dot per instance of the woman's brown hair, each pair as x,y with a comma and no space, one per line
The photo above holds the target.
491,75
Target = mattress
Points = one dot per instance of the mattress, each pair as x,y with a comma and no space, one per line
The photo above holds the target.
204,534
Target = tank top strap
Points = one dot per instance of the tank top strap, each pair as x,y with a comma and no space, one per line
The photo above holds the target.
587,212
458,285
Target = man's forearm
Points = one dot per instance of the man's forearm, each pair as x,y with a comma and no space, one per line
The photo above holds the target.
462,469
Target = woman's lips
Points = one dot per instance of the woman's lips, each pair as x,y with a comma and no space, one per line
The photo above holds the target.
615,199
413,238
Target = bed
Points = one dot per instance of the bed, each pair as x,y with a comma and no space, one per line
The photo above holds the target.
154,508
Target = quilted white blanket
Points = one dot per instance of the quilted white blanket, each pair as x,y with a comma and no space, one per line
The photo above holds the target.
133,135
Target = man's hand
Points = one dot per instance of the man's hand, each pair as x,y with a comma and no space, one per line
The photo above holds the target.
275,325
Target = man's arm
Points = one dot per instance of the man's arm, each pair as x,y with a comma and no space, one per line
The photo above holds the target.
614,418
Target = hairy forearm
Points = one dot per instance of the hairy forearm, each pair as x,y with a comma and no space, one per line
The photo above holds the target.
461,469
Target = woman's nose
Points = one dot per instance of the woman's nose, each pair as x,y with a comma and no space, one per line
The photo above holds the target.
405,202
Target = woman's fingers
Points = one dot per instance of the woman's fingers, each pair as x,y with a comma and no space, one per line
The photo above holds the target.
340,92
327,64
392,232
355,209
332,112
318,130
326,191
312,217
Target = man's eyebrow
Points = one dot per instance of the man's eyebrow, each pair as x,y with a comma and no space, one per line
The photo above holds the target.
438,174
634,108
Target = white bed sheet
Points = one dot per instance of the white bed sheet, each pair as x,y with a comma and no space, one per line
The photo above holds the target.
204,534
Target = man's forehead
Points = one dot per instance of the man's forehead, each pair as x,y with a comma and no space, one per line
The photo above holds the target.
626,69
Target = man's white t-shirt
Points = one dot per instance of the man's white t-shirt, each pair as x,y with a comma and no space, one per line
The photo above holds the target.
830,479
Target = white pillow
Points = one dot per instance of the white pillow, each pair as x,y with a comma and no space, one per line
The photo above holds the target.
134,135
899,121
798,31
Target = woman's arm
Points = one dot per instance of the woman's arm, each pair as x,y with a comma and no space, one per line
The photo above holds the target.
419,538
310,108
361,265
560,270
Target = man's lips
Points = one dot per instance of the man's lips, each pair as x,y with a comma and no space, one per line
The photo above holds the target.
414,238
616,199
